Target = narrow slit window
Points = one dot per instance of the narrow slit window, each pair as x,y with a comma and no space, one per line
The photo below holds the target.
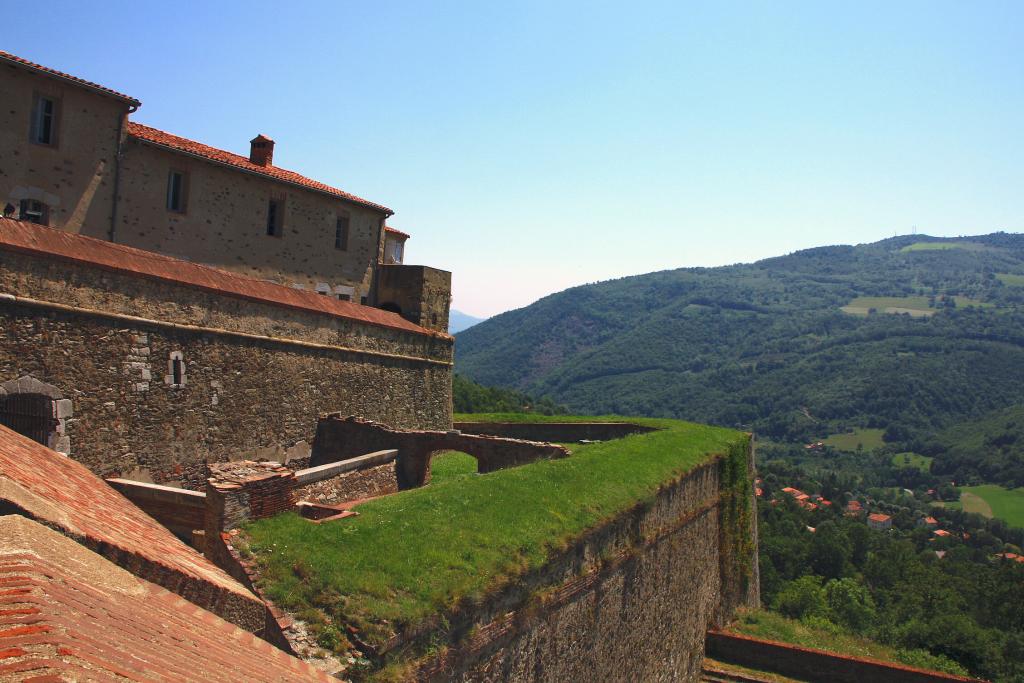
176,371
176,191
175,376
275,211
341,233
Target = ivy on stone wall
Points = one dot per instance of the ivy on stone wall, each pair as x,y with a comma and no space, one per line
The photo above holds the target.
736,520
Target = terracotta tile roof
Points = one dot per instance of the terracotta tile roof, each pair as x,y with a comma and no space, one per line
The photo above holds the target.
68,614
220,156
879,517
63,494
25,237
14,59
394,231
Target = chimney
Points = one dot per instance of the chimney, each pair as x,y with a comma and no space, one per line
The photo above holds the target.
261,150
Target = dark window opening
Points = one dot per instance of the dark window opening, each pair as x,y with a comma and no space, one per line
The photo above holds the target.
176,191
275,216
34,211
345,297
176,371
341,233
44,121
362,300
30,415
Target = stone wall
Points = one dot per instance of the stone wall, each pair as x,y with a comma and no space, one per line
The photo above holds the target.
631,600
815,665
225,222
180,510
357,484
562,432
339,438
75,176
420,294
254,376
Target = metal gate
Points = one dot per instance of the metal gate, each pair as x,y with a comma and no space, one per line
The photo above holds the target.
29,414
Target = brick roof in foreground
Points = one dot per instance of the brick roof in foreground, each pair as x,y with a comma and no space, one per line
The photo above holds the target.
24,63
25,237
177,143
63,494
68,614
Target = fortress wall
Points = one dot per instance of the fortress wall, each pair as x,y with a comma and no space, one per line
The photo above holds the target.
554,431
630,601
255,376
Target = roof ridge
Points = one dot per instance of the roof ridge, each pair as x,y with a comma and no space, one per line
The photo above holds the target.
21,61
185,145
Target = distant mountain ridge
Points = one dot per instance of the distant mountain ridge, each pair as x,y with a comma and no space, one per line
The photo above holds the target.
459,321
790,346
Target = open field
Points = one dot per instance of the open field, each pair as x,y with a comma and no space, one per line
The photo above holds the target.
921,462
1011,280
994,501
867,438
916,306
945,246
394,573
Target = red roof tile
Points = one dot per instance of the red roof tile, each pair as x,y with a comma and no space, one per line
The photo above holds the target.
394,231
70,614
220,156
879,517
35,239
14,59
65,495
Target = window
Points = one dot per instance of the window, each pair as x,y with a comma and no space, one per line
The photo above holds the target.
275,217
176,187
176,373
341,233
34,211
175,376
44,121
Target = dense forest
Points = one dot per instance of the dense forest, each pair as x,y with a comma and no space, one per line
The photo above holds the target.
912,335
470,397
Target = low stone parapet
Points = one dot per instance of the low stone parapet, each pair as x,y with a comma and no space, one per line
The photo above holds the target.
180,510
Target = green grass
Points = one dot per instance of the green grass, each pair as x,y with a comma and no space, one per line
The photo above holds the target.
945,246
421,552
1011,280
994,501
916,306
868,438
828,637
921,462
451,465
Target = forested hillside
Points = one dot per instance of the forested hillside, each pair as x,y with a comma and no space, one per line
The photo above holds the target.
911,335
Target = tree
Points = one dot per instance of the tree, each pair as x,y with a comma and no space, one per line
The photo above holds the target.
851,604
802,598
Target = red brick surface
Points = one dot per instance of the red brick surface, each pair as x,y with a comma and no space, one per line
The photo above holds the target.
24,237
180,144
64,495
68,77
109,625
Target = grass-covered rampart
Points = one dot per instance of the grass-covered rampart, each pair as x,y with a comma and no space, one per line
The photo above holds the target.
423,553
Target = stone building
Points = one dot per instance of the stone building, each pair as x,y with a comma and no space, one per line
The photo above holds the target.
71,159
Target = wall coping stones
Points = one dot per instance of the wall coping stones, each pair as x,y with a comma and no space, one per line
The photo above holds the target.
321,472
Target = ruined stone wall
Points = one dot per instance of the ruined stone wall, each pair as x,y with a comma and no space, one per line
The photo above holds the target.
629,601
554,431
74,176
225,223
255,376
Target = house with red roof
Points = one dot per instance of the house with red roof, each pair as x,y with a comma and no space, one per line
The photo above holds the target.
126,182
879,521
928,522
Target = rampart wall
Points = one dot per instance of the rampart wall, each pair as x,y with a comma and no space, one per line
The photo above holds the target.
554,431
629,601
253,376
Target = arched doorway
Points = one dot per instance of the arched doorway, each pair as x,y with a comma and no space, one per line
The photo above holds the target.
36,410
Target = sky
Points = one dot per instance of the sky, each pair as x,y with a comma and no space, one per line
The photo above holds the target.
533,146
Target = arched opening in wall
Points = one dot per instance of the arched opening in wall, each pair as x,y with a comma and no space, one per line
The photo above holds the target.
393,307
36,410
450,465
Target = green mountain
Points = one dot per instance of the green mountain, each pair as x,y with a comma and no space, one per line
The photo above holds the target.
910,334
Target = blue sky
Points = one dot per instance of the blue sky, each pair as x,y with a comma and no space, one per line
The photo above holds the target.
532,146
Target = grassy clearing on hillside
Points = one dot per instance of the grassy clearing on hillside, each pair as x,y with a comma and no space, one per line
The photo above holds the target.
916,306
921,462
867,438
994,501
826,636
421,552
945,246
1011,280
